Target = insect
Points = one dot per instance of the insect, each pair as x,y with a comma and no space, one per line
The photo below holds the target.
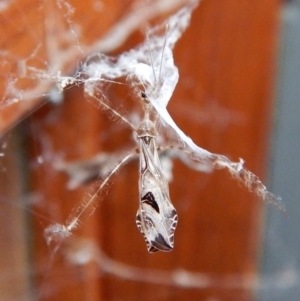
156,217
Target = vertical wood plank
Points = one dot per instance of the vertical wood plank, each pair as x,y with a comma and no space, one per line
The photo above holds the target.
15,279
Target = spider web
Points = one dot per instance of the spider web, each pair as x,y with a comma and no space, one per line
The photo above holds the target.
45,71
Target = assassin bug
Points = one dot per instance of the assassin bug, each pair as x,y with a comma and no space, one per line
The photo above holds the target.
156,217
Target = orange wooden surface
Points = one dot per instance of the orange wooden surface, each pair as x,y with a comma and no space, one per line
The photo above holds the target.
222,101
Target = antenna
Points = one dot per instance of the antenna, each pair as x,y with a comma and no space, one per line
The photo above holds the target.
163,50
151,58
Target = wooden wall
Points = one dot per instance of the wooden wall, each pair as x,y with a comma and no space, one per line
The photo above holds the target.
223,101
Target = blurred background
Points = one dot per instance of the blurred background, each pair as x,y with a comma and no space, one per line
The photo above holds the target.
237,95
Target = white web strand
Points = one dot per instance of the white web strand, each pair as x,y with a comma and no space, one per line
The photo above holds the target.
140,65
